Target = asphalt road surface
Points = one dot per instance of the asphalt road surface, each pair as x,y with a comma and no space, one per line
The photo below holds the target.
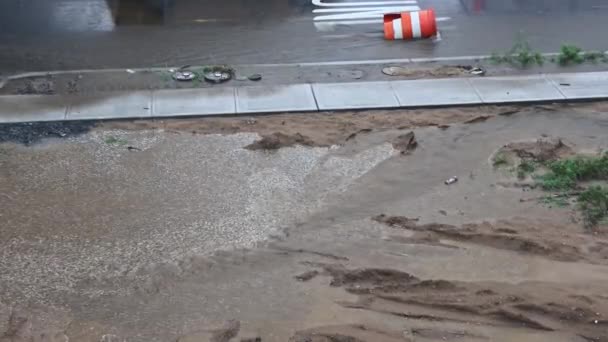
77,34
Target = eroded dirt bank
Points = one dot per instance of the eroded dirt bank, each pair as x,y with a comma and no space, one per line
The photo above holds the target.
167,231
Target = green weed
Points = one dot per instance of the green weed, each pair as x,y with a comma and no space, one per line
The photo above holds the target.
564,174
520,54
500,160
525,168
595,56
570,54
593,203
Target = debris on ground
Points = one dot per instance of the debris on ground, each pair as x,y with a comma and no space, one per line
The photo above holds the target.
130,71
539,151
32,132
440,71
278,140
477,119
218,73
477,71
451,180
405,143
37,86
353,135
346,74
306,276
181,75
255,77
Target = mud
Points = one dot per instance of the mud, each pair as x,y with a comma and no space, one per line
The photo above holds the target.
546,239
541,151
535,306
278,140
33,132
424,72
318,129
405,143
193,238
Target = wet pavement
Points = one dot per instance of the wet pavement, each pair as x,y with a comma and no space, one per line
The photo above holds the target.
77,34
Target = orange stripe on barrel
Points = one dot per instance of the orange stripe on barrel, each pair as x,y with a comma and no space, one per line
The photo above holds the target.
428,23
389,33
406,22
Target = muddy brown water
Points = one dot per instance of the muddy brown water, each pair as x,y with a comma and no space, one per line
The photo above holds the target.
193,237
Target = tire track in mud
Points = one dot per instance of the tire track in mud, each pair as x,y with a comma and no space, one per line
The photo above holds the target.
535,306
540,238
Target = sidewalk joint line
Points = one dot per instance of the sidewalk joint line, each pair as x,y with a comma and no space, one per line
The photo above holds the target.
314,96
481,100
555,86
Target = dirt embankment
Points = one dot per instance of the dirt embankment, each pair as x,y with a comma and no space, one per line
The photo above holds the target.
321,129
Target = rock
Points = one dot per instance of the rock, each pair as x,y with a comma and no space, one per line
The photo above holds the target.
405,143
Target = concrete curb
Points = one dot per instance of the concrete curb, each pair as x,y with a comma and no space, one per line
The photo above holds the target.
306,97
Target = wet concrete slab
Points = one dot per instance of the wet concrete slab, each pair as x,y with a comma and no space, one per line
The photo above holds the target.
516,89
355,95
17,108
431,92
112,105
289,98
581,85
194,102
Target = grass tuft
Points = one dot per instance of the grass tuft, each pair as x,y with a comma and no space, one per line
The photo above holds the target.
520,54
570,54
593,203
565,174
525,168
500,159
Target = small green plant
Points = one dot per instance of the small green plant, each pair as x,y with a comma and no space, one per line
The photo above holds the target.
112,140
520,54
594,56
525,168
593,203
570,54
500,159
564,174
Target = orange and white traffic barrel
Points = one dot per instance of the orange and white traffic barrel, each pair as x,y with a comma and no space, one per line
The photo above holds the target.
410,25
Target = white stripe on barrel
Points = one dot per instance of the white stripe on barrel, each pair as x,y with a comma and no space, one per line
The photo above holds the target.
416,29
398,28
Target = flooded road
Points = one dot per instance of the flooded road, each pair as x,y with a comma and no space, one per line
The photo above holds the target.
77,34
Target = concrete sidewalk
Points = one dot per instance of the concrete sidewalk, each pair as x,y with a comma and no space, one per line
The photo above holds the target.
306,97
